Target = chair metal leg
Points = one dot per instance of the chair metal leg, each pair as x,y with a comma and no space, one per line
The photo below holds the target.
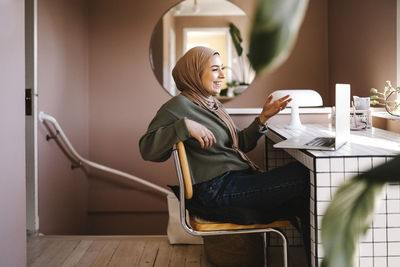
285,252
265,249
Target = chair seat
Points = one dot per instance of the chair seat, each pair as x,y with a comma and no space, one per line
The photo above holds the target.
204,225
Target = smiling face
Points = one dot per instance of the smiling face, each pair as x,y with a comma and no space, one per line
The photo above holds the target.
212,76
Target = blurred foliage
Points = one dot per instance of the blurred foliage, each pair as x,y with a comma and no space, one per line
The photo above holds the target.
274,31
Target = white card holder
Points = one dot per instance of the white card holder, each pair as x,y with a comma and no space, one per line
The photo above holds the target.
364,116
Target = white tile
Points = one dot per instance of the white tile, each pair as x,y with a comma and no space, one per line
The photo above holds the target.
394,220
322,165
323,179
379,221
380,262
312,206
367,262
309,162
320,251
379,235
349,175
364,164
393,206
366,250
376,161
319,221
380,249
393,262
381,207
333,190
319,233
337,164
312,192
313,235
313,248
393,191
350,165
321,207
393,234
394,249
312,177
337,178
367,237
356,261
324,193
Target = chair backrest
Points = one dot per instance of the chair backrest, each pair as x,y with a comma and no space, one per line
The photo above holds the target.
185,170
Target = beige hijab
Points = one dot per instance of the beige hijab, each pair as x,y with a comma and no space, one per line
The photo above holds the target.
187,75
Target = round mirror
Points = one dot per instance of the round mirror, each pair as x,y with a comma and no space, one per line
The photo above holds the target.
217,24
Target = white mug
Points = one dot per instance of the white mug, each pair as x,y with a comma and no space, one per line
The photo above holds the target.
361,103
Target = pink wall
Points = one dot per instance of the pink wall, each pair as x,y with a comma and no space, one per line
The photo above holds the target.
63,93
362,44
122,94
12,135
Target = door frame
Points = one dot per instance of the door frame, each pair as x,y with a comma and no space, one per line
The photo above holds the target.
31,144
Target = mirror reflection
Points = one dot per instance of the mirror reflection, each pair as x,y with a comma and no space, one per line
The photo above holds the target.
217,24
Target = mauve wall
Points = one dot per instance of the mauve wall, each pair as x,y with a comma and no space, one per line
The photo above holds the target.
12,135
124,95
63,93
362,44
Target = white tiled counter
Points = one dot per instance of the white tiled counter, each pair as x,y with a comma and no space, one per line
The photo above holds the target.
328,169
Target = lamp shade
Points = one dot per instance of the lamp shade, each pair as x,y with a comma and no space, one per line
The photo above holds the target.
300,98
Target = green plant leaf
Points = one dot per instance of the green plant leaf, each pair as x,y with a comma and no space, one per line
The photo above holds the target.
236,38
350,213
374,97
274,30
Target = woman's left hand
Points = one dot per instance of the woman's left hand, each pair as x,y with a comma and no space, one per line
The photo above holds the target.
271,108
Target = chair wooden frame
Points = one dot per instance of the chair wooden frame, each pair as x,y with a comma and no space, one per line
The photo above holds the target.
207,228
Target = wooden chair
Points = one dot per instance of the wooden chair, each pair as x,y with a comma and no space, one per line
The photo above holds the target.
206,228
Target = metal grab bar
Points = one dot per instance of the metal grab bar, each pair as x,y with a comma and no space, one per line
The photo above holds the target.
45,117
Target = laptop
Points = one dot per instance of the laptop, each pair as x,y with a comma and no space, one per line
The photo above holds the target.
342,127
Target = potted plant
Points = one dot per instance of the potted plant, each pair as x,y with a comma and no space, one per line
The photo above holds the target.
389,98
241,81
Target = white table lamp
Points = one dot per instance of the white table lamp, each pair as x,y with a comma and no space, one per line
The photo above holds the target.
300,98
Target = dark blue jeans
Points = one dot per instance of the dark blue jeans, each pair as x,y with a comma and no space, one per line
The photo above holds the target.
282,192
254,190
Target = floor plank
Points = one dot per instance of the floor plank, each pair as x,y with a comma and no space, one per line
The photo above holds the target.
74,258
128,253
35,247
149,255
193,256
91,253
105,254
141,251
56,253
163,254
178,256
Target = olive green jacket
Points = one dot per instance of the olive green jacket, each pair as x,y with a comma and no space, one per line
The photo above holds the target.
168,127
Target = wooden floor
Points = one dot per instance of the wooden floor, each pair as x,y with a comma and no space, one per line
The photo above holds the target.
112,251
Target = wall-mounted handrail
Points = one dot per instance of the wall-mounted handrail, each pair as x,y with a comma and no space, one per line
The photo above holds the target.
45,117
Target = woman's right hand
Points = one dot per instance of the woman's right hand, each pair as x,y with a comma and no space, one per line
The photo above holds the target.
205,137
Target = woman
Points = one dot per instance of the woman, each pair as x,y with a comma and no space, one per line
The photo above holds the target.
223,176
